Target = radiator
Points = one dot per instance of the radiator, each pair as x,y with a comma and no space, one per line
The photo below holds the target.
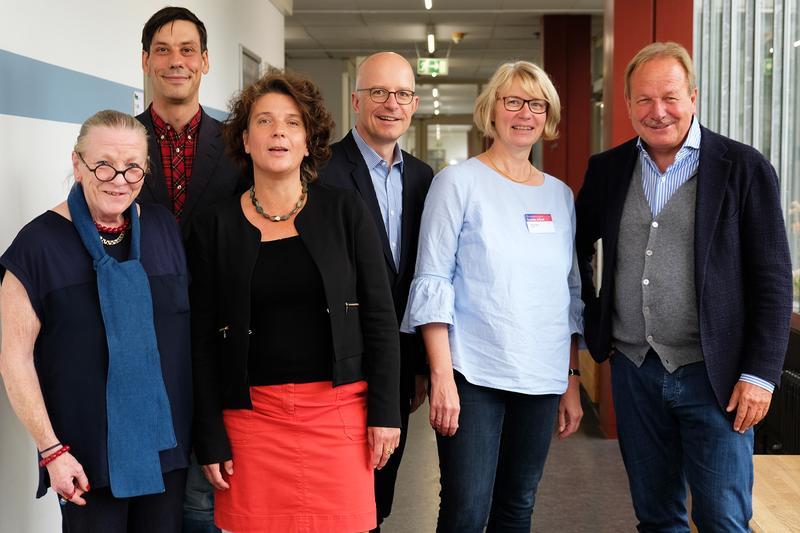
789,400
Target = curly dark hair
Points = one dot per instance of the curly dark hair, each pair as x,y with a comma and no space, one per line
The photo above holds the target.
316,120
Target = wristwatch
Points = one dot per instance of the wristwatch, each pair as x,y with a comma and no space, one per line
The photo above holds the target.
574,372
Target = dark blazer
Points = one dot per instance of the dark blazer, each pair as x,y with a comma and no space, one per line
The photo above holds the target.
742,265
336,229
214,175
347,169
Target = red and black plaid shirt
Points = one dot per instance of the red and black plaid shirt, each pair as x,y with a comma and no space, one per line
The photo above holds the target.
177,155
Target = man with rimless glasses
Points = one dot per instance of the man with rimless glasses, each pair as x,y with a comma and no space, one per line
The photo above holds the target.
393,184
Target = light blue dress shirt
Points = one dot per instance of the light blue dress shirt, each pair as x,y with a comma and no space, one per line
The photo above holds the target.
388,184
511,297
660,186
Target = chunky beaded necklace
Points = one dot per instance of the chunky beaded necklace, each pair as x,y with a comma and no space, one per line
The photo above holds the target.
112,242
278,218
113,230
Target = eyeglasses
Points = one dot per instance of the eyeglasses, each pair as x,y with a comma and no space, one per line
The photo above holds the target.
105,172
379,95
515,103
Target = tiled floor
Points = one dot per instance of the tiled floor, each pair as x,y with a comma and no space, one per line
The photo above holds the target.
583,490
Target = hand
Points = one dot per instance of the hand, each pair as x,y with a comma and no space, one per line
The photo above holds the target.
67,478
382,444
445,405
420,391
213,474
751,403
570,411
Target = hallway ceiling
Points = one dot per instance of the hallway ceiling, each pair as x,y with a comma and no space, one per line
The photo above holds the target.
494,30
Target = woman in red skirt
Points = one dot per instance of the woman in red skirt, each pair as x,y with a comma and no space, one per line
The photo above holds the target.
295,346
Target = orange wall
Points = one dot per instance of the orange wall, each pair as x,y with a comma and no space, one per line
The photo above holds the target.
567,60
631,25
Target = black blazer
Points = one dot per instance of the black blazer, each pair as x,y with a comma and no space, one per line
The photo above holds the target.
742,266
214,175
335,228
347,169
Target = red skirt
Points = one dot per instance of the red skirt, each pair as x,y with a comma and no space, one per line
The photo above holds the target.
301,461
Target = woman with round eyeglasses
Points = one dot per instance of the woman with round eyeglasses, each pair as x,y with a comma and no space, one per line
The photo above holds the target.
496,294
95,341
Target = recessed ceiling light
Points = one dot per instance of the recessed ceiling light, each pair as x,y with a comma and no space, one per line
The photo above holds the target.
435,91
428,4
435,111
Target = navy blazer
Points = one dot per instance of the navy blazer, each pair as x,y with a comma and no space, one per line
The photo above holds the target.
347,169
214,175
223,248
742,266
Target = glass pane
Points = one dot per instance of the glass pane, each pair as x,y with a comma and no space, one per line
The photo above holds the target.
725,69
767,51
737,69
746,92
447,145
712,82
792,176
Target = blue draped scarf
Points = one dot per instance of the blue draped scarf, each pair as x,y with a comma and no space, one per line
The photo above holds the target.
137,407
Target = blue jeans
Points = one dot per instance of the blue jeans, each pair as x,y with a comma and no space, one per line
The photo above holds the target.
198,503
491,467
672,432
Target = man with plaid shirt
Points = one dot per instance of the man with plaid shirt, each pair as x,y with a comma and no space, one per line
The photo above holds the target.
189,170
188,166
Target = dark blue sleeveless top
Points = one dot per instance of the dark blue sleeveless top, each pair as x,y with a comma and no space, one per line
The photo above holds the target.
71,355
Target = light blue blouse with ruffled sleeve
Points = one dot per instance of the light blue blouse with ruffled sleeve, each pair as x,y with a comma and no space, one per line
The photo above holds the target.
507,284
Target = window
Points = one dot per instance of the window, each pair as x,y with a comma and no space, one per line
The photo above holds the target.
747,56
251,67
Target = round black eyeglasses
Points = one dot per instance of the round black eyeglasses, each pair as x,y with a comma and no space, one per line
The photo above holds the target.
380,95
105,172
515,103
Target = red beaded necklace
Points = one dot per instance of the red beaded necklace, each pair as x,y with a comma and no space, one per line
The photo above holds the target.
114,231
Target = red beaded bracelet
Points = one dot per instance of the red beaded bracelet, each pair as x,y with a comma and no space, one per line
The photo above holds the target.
53,456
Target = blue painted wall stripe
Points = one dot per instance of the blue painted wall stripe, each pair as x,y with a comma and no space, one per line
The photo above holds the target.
35,89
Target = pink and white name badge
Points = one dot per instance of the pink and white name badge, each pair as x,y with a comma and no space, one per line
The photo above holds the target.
540,223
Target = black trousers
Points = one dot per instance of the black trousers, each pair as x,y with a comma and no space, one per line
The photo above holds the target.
154,513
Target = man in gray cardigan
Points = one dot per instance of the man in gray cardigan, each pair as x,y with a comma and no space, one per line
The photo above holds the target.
696,298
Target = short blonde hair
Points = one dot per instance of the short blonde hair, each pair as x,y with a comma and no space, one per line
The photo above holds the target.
108,118
531,77
662,49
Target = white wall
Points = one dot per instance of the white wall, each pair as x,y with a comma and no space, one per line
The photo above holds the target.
101,38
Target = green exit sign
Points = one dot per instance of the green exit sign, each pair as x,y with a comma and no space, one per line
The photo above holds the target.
431,66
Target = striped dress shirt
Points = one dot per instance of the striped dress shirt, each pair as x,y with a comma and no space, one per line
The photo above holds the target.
660,186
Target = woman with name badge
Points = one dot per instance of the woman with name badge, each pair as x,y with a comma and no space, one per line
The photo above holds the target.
497,295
